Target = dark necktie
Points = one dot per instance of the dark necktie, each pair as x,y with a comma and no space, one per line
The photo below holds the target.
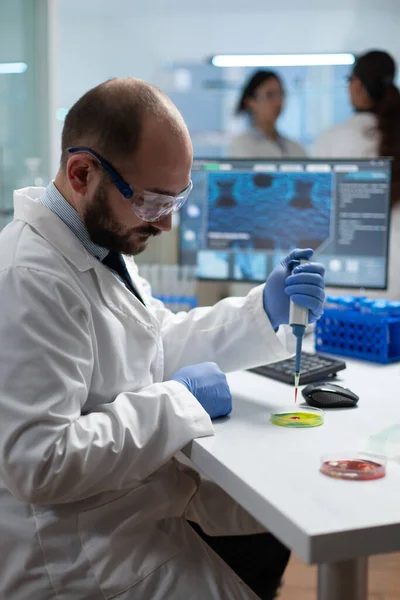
115,261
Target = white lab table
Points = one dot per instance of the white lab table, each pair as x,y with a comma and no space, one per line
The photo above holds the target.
273,472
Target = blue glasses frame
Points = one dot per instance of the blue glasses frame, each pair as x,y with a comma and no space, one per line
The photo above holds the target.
148,206
119,182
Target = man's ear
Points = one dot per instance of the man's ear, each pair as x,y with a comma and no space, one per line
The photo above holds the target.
79,171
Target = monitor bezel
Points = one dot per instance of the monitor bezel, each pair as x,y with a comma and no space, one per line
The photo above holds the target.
386,159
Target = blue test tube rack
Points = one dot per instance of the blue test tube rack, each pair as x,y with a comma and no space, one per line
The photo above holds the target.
363,329
178,303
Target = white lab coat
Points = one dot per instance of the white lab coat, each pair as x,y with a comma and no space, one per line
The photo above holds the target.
358,137
254,144
93,497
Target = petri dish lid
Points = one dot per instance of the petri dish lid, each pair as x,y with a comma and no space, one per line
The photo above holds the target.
297,416
353,466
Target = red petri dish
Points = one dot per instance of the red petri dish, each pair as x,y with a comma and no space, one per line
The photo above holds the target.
354,468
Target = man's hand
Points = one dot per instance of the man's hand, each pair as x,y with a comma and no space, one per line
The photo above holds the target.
208,385
303,283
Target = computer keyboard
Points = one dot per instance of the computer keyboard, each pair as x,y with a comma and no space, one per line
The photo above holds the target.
314,367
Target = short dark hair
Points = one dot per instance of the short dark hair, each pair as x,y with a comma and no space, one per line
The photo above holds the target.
109,118
252,85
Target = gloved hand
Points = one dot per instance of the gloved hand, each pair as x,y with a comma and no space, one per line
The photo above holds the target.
208,385
305,286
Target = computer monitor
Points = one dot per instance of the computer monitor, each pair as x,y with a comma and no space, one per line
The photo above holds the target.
243,216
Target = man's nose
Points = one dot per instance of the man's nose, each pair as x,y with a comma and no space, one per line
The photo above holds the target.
164,224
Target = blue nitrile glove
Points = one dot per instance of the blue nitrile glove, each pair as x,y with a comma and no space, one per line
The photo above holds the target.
209,386
305,286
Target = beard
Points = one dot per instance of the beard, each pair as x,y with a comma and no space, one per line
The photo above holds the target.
104,230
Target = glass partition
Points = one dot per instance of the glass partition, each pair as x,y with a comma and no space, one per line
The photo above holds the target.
24,139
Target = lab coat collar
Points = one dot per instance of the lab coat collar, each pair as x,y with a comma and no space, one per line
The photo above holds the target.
28,208
261,135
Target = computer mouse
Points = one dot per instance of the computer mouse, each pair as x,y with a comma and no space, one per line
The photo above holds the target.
329,395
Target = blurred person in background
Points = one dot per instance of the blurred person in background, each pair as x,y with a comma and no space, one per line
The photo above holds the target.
372,131
263,100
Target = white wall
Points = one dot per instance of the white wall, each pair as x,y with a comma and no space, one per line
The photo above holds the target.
116,38
98,39
11,32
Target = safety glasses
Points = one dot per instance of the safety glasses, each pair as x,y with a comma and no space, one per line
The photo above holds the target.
148,206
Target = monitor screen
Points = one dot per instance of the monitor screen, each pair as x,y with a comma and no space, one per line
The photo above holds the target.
243,216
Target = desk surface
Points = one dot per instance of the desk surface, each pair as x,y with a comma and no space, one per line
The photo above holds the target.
274,472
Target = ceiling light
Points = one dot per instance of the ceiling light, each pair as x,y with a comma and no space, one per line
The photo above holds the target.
9,68
281,60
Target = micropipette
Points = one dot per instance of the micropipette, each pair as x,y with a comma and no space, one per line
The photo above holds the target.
298,320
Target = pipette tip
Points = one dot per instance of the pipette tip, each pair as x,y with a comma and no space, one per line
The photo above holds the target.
296,385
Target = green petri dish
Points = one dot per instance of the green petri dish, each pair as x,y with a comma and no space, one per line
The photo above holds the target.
297,417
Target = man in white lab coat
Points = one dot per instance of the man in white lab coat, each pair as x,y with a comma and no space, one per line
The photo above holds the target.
101,386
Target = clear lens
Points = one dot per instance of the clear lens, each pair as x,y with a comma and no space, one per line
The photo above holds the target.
153,207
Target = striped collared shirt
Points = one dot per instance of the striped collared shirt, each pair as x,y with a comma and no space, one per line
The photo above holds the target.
56,202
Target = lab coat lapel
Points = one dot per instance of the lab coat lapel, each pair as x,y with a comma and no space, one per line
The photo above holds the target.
130,310
115,294
121,300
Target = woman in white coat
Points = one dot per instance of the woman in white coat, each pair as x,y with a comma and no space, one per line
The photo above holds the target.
101,386
372,131
262,100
